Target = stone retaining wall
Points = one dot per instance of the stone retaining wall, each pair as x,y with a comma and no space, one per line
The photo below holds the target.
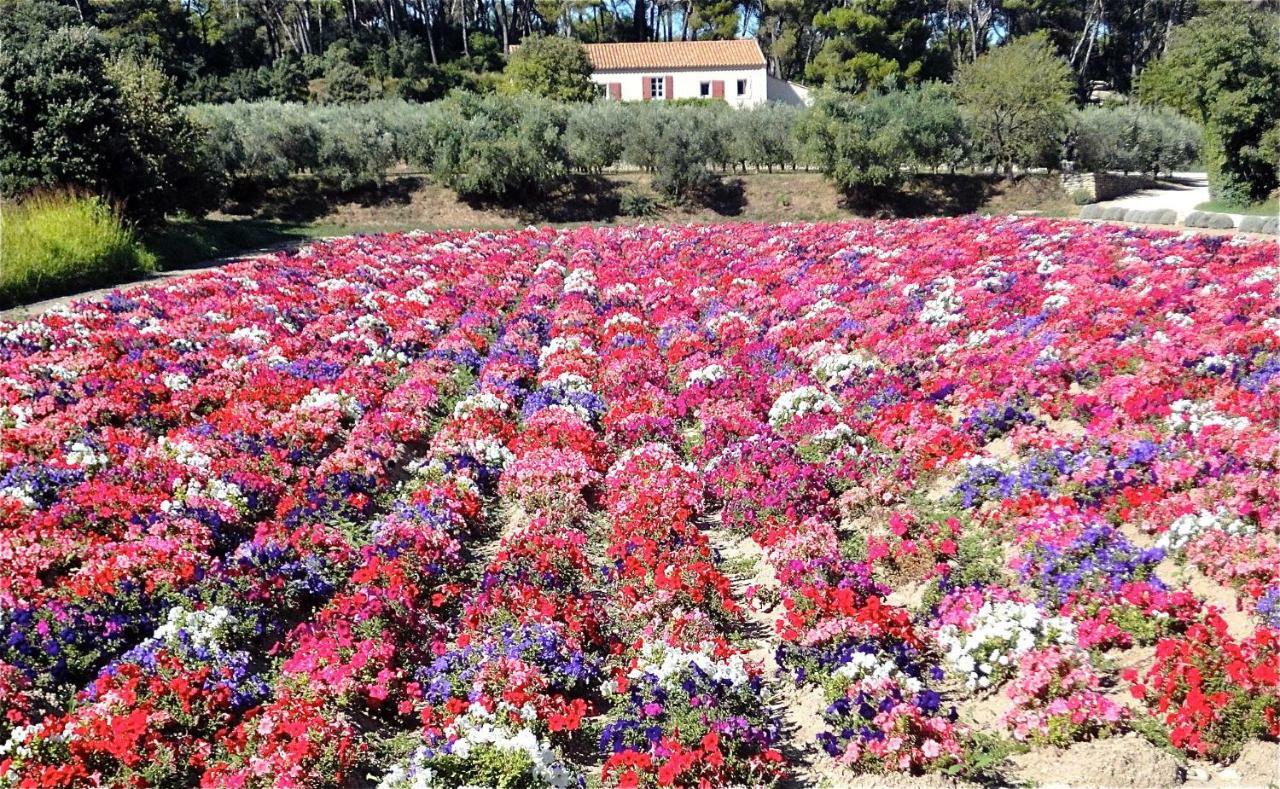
1104,186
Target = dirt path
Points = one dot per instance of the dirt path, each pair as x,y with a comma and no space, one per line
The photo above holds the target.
800,708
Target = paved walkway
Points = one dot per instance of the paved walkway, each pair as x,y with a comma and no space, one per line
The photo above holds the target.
1183,192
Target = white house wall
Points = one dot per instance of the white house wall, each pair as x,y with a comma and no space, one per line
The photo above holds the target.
687,83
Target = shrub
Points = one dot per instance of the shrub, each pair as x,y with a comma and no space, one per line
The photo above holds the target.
638,204
596,134
496,147
54,244
552,67
856,144
1221,69
1081,197
259,144
1016,99
73,118
1132,138
676,143
764,136
172,169
346,84
355,146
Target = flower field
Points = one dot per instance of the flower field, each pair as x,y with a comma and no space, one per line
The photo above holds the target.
695,506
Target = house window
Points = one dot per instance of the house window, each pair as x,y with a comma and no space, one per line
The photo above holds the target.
657,88
742,87
704,89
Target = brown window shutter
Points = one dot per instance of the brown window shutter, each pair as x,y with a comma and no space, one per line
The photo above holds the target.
615,91
644,88
667,91
717,89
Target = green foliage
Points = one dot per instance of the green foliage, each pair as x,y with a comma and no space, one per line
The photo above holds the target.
54,244
1016,100
70,116
677,144
764,136
849,142
259,145
346,84
170,167
551,67
638,204
986,758
496,147
1133,138
1222,70
865,145
869,42
596,134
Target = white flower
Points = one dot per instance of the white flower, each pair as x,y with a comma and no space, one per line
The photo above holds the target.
1187,527
1191,416
801,402
705,375
836,368
176,382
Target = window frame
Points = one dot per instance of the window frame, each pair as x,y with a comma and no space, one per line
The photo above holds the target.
658,88
742,86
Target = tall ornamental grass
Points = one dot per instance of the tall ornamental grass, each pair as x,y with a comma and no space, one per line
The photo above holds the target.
54,244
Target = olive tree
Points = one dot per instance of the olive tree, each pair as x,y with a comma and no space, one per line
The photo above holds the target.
1016,98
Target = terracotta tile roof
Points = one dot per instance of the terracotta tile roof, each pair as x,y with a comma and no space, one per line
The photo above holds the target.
738,53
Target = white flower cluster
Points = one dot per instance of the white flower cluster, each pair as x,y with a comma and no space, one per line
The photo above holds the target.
1055,302
998,633
488,452
250,335
185,453
82,455
836,368
733,316
1214,365
1192,416
621,291
16,415
580,280
205,628
868,666
342,402
1187,527
801,402
664,662
190,493
945,306
480,401
622,319
565,342
176,382
705,375
21,494
571,382
479,728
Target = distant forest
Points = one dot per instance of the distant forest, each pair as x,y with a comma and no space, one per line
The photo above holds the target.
220,50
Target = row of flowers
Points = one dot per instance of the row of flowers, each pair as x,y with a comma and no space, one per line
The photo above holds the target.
434,510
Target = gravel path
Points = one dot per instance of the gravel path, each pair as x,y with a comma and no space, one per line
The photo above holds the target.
1182,193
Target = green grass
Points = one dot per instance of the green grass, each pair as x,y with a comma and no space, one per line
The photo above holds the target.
1265,208
55,244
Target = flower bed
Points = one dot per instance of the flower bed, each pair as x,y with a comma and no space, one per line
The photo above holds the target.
428,510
